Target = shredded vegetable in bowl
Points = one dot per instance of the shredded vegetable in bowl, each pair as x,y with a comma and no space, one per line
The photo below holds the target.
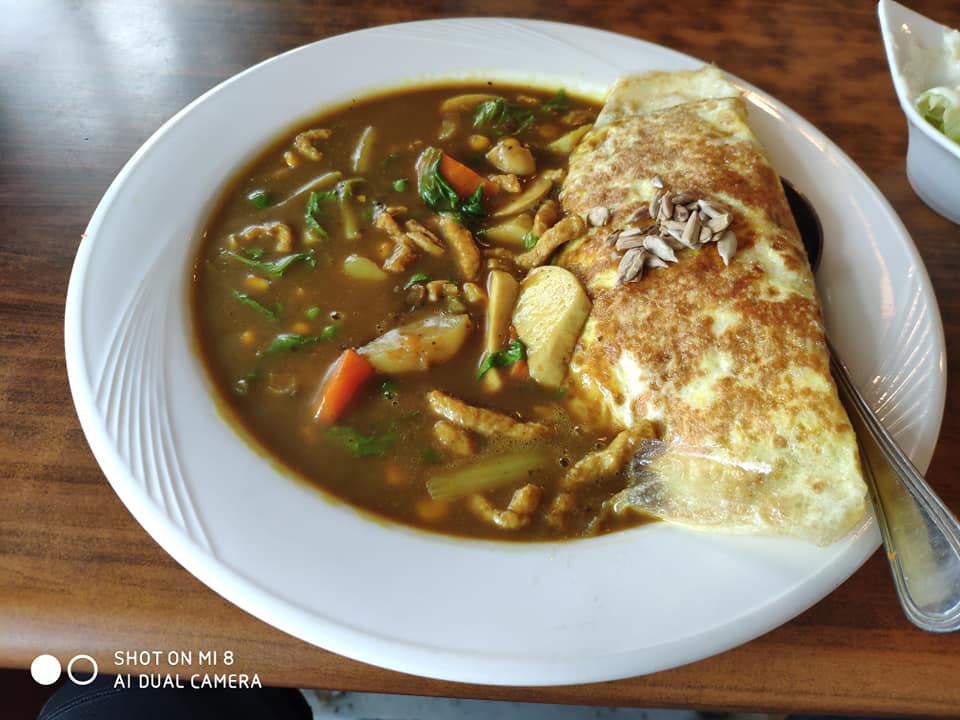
940,105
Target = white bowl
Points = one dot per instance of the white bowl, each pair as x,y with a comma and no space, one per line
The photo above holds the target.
933,160
624,604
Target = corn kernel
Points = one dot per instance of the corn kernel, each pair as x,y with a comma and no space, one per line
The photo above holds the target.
248,338
479,143
431,510
256,284
291,159
394,475
473,293
300,327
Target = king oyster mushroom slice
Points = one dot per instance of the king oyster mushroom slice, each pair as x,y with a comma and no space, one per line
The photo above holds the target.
727,246
659,248
631,266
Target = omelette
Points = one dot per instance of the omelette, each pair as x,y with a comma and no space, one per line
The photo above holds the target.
705,319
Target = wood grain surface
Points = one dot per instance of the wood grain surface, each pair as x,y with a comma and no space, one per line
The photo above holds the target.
83,84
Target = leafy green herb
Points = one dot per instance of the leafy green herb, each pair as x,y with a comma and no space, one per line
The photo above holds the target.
313,213
274,268
260,199
312,313
400,184
344,189
431,456
388,388
360,444
558,103
471,209
291,342
502,116
529,240
416,279
254,253
262,309
434,190
438,194
512,353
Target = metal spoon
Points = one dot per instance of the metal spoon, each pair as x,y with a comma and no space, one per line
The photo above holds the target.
921,536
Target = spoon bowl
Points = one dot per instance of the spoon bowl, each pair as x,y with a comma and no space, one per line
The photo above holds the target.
920,535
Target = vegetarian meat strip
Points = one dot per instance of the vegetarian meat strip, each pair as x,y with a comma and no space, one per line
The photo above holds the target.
519,512
465,250
484,422
453,438
610,459
564,231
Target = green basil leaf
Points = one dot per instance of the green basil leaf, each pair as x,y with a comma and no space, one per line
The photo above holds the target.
260,199
360,444
289,342
274,268
558,103
262,309
512,353
529,240
416,279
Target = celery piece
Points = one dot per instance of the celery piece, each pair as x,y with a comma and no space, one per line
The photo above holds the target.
487,474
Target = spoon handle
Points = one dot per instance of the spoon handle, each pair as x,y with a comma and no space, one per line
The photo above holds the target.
921,536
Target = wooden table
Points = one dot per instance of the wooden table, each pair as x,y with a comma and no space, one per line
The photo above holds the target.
82,85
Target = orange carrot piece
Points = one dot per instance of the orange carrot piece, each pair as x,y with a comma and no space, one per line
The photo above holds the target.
520,370
465,180
344,378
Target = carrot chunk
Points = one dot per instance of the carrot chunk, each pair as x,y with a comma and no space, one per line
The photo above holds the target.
344,378
465,180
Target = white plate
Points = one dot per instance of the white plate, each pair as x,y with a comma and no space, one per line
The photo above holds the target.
625,604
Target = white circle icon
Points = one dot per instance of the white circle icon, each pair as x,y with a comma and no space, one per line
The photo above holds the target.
45,669
93,675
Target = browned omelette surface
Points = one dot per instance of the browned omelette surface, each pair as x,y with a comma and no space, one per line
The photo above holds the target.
728,361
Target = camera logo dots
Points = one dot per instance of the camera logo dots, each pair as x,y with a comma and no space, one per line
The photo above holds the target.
46,669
